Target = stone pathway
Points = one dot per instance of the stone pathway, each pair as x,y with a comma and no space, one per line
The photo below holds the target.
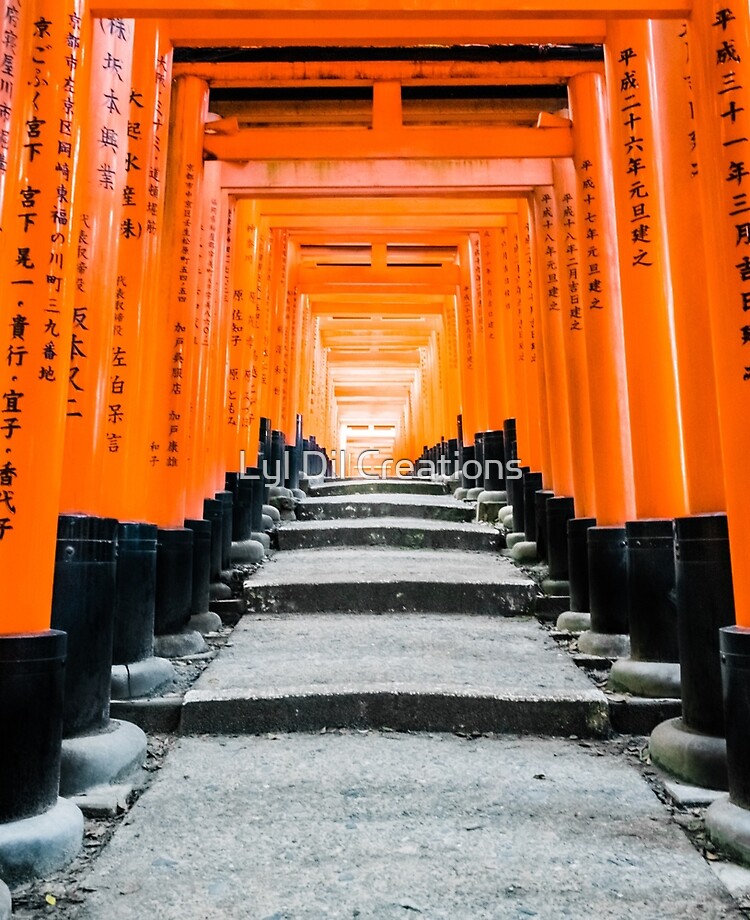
388,734
384,826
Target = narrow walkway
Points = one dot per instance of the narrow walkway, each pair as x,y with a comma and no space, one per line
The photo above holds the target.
389,734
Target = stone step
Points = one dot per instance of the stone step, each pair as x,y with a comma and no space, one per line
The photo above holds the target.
387,825
390,532
427,672
385,580
428,507
377,487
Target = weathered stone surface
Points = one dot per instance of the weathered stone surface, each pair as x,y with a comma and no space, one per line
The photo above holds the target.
390,825
431,507
377,487
375,579
388,532
417,672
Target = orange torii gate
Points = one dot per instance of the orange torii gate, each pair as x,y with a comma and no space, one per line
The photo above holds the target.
566,308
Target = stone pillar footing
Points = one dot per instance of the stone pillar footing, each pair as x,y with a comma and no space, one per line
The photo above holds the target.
248,552
219,591
6,905
99,759
207,622
555,587
512,539
473,494
36,847
604,645
728,827
490,506
460,494
658,680
180,645
574,621
525,551
263,539
691,756
140,678
273,513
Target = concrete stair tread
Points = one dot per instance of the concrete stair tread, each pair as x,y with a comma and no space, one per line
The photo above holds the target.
389,825
423,652
421,672
382,565
441,507
378,486
406,532
405,498
384,523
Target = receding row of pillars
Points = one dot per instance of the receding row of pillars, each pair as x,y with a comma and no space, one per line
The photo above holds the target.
623,357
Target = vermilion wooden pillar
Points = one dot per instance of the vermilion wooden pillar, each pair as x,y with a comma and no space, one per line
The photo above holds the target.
600,291
209,359
467,363
135,329
548,251
505,266
650,350
530,451
480,345
16,48
242,334
492,293
514,332
677,142
175,361
36,313
104,213
720,39
569,230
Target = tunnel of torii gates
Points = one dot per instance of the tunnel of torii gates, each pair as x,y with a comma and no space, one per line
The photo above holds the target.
350,225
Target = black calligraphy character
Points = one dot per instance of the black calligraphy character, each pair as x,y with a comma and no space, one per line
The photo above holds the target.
16,356
41,27
10,427
7,474
727,52
723,18
737,172
13,401
18,325
115,414
118,29
111,101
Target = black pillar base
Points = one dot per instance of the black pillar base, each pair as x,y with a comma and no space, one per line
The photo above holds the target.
541,498
135,593
226,500
213,511
32,680
532,483
201,569
653,668
559,512
578,618
83,605
174,580
705,604
608,635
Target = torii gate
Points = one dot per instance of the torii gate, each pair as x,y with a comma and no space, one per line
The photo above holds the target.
173,262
